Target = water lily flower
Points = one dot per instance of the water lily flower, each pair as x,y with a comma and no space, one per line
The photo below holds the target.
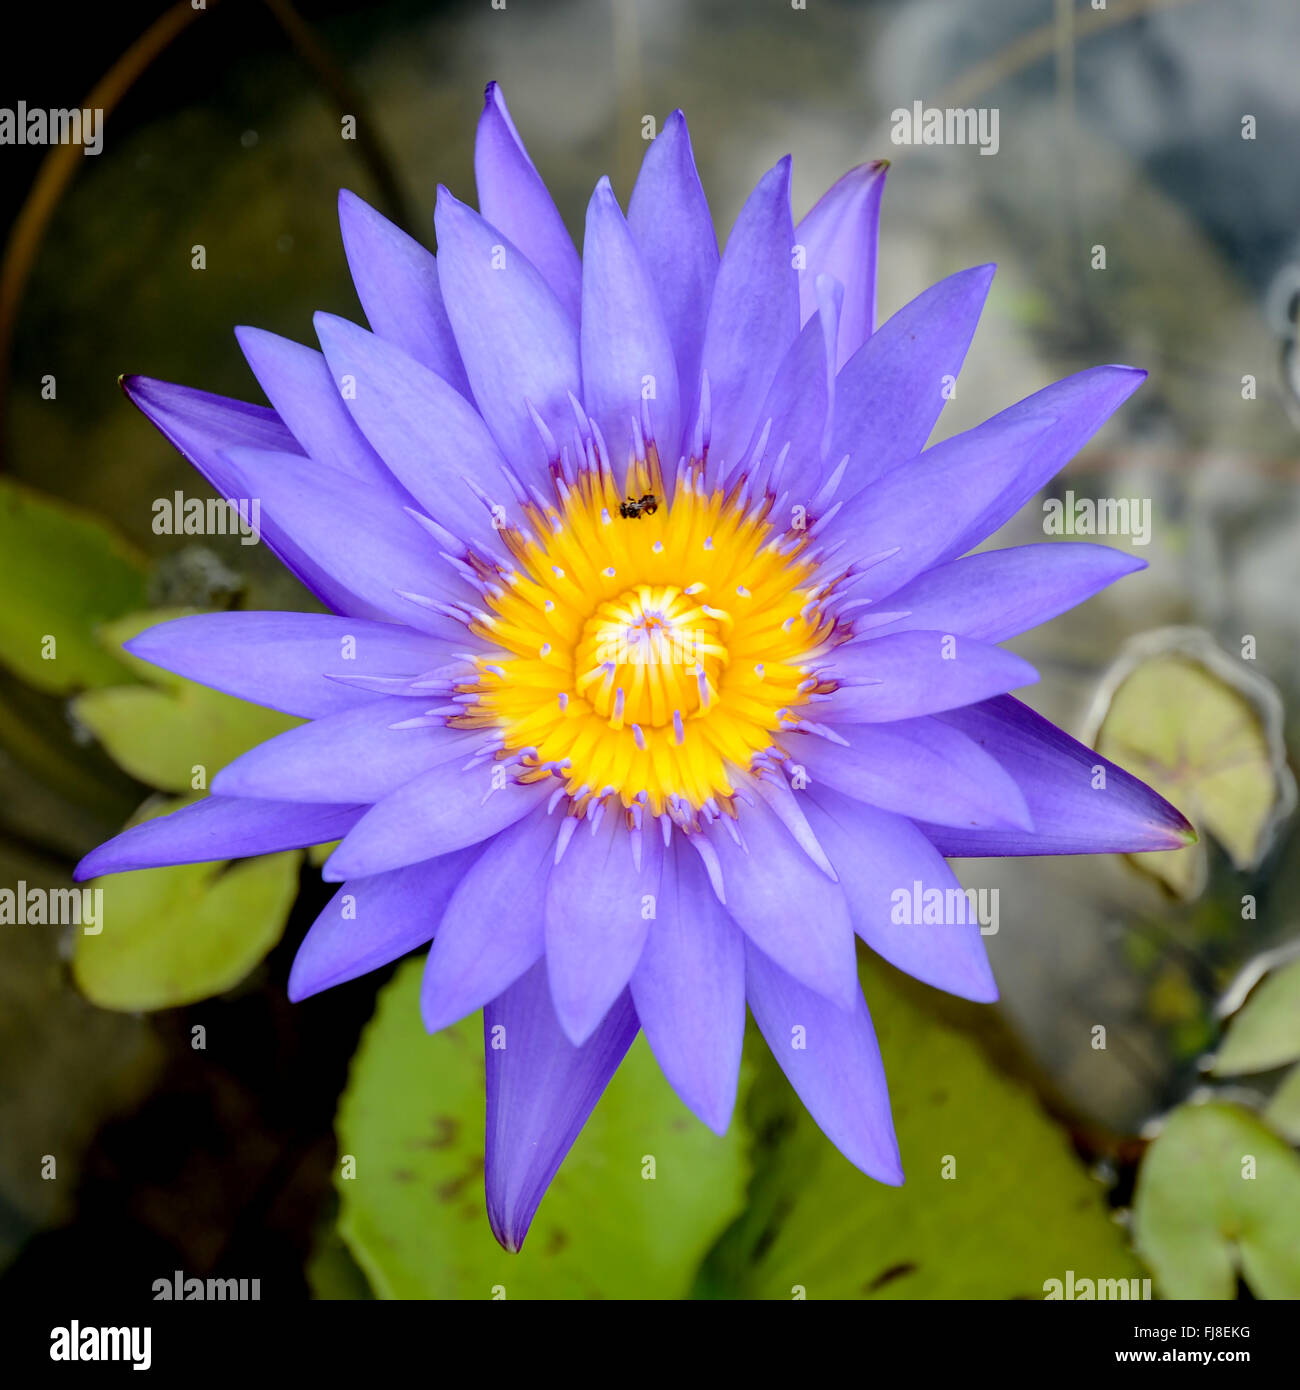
657,666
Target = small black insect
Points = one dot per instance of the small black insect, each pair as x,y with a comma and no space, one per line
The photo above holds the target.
645,505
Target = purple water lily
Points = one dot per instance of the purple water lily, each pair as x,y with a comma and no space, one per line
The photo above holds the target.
655,671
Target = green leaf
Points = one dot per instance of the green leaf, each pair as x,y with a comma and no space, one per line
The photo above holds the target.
173,935
1266,1031
331,1272
414,1217
1204,733
1283,1110
171,731
1018,1210
66,1069
1219,1192
62,574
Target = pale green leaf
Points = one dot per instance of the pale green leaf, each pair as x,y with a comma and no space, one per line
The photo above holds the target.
173,935
1016,1209
1283,1110
63,573
1266,1031
1218,1193
171,733
414,1218
1202,740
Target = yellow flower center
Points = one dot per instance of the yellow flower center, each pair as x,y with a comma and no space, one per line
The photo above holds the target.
646,655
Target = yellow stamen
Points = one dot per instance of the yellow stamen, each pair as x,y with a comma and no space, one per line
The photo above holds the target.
649,654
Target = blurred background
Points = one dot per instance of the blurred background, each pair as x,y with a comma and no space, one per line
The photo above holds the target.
199,1122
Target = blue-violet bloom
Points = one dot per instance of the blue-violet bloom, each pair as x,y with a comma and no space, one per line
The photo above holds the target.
657,667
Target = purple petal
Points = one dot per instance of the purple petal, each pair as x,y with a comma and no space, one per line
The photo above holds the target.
689,990
203,427
800,404
372,921
397,284
374,549
839,239
997,594
494,927
1057,774
890,392
354,756
1081,404
918,673
786,904
596,920
917,510
625,340
441,810
540,1090
754,316
670,219
513,197
885,862
284,660
518,343
219,827
831,1059
919,768
425,431
298,383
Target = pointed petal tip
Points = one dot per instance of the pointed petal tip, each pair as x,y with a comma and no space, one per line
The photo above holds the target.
578,1021
509,1237
331,872
1185,834
715,1111
87,868
133,386
301,987
434,1011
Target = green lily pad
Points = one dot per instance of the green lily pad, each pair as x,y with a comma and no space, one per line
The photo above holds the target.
63,573
1019,1209
65,1069
174,935
331,1272
1283,1110
1266,1031
1219,1193
171,732
1205,732
413,1216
